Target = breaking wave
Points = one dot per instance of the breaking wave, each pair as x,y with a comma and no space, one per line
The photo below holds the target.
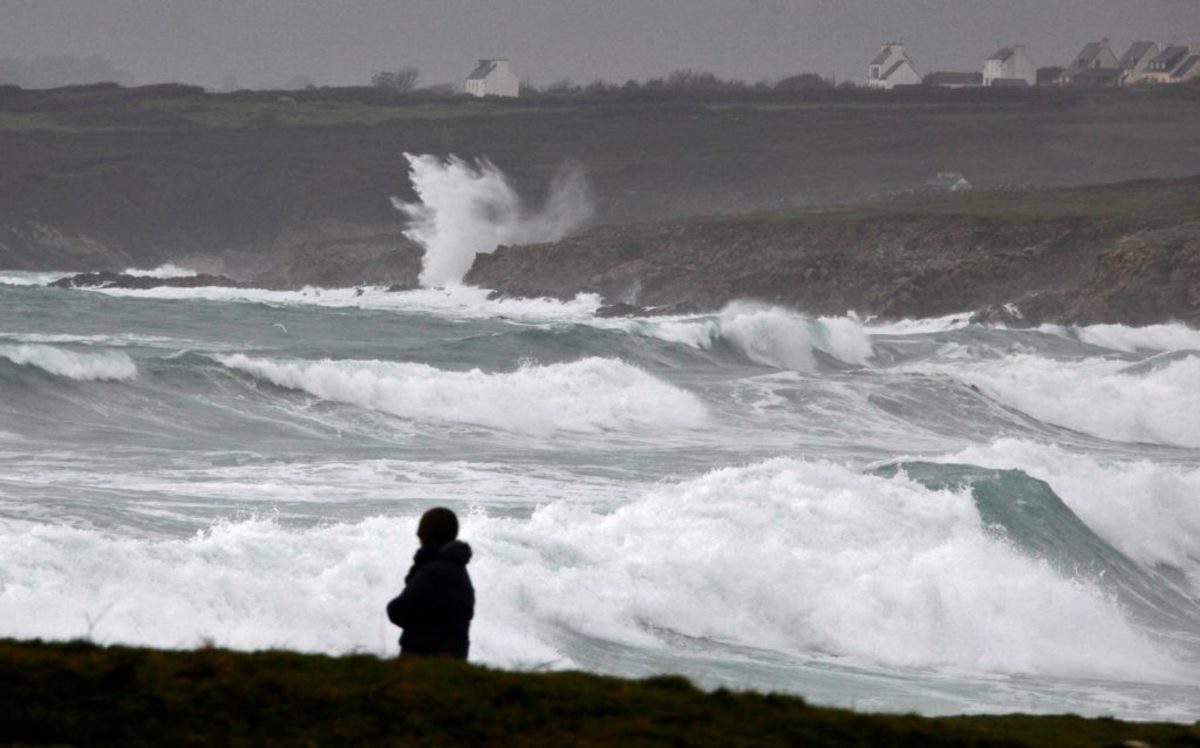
810,559
591,395
768,336
79,366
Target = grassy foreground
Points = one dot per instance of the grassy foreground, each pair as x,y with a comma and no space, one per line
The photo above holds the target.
80,693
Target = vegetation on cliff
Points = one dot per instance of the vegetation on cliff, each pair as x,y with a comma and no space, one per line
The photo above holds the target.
79,693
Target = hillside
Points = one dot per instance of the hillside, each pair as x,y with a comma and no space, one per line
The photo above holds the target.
78,693
103,177
1127,252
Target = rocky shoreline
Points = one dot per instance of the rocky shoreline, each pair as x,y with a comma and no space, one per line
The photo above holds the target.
1126,253
1066,271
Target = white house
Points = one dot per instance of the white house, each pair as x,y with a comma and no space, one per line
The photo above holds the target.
891,68
493,78
1010,66
1136,60
1175,64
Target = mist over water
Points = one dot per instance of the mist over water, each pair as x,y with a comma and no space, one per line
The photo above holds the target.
924,515
466,208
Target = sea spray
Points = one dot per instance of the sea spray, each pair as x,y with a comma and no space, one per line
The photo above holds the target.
466,208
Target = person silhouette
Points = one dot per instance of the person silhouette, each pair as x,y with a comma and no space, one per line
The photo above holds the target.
438,602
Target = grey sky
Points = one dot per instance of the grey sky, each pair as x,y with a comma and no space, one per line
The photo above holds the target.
267,42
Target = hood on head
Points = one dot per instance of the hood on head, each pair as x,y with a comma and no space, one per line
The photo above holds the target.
456,551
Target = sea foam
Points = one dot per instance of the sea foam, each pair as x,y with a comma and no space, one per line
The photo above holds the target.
1102,397
766,335
79,366
808,559
591,395
1147,511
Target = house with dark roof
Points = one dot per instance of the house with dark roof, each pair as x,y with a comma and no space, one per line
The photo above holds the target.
492,78
1010,66
891,67
1177,63
954,80
1095,65
1135,61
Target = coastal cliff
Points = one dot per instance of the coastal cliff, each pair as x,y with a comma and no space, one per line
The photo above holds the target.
1119,253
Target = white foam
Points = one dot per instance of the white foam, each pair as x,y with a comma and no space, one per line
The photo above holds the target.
1148,511
923,326
809,559
812,557
81,366
467,208
1097,396
168,270
451,300
766,335
590,395
1168,337
25,278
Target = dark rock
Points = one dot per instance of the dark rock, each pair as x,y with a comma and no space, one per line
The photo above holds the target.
621,309
141,282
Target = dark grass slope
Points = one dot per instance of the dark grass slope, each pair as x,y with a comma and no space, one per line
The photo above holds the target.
82,694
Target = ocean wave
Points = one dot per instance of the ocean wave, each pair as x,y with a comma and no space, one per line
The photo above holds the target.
807,559
1167,337
1147,511
72,365
591,395
1102,397
813,557
766,335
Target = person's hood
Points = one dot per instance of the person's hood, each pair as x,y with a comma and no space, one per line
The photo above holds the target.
456,551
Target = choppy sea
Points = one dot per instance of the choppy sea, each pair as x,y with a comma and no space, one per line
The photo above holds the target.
928,515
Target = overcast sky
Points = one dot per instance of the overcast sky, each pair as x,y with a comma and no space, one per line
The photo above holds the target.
268,42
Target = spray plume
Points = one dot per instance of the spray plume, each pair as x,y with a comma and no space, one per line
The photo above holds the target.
465,208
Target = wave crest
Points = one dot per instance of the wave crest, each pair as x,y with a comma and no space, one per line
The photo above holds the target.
112,366
590,395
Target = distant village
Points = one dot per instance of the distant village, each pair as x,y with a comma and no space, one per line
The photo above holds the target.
1096,65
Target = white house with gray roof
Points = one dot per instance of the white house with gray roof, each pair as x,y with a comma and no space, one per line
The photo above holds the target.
1136,60
1010,66
891,67
1177,63
493,78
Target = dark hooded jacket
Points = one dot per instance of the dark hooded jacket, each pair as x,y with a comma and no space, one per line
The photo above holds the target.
437,604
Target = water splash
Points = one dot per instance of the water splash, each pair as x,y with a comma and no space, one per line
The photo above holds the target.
466,208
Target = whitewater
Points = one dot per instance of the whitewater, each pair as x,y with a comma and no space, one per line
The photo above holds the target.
926,515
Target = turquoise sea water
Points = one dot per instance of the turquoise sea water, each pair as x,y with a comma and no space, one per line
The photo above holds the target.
929,515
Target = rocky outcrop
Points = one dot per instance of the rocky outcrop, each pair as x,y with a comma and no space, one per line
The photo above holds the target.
142,282
329,253
1062,269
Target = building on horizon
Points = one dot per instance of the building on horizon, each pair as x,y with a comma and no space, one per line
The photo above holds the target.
1177,63
1136,60
493,78
1095,65
892,67
1010,66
